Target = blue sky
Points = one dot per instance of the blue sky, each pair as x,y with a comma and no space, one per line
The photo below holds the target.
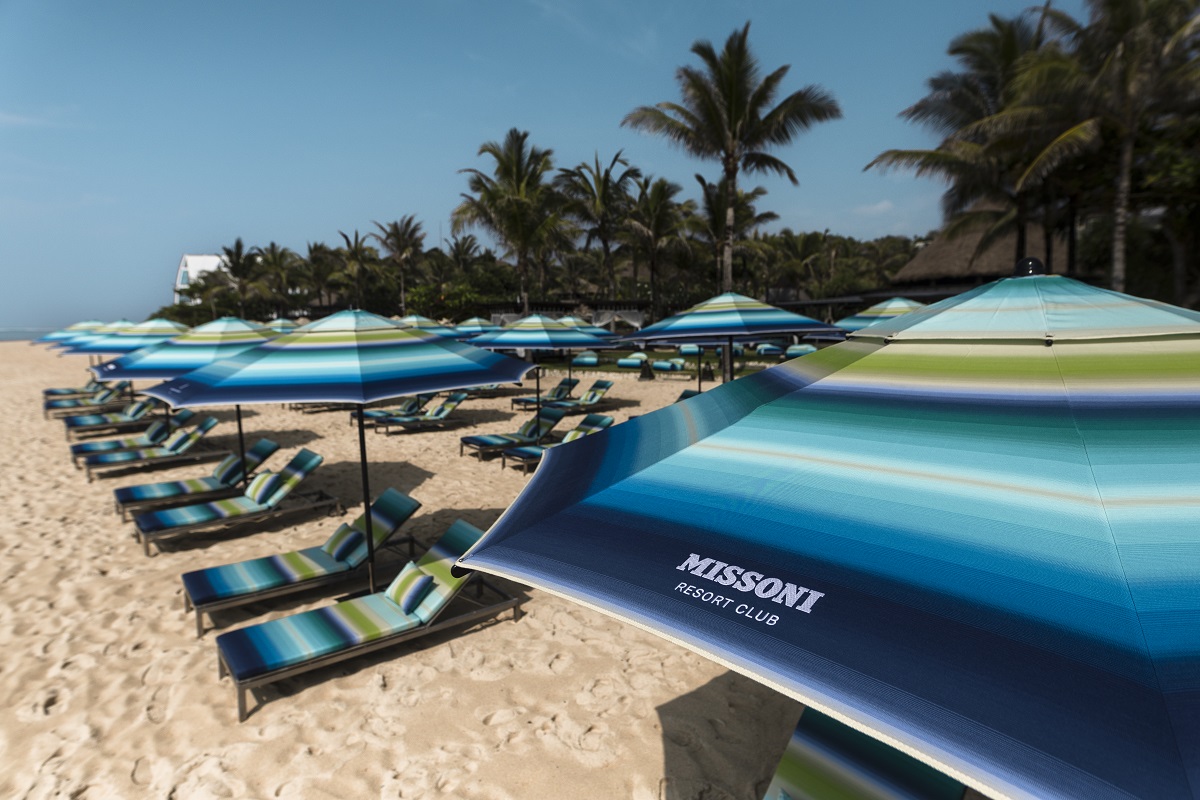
134,132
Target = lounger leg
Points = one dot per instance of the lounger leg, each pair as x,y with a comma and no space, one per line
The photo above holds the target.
145,547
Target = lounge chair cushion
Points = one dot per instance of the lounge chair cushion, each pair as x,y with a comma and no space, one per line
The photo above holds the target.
343,542
153,521
228,470
409,588
158,491
259,574
263,486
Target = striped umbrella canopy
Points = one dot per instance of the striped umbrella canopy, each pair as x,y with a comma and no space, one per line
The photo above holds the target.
580,325
474,326
203,345
538,332
970,532
428,325
66,343
134,337
280,325
879,312
86,326
725,318
348,357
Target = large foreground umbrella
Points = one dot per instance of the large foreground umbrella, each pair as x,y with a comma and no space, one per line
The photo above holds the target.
134,337
213,341
878,312
538,332
972,532
348,357
723,319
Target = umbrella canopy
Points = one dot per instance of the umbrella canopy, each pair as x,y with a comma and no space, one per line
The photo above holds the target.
474,326
724,318
970,531
280,325
586,327
203,345
86,326
879,312
538,332
428,325
347,357
66,343
134,337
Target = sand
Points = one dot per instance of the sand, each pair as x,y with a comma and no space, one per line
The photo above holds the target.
109,694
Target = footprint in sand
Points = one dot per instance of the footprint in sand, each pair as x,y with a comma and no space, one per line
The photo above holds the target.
560,663
503,716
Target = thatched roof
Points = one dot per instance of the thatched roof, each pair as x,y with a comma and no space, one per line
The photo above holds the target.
950,259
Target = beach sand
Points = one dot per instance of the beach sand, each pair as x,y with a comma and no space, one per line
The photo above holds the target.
109,694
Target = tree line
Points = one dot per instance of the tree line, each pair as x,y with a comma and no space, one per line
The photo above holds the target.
1047,121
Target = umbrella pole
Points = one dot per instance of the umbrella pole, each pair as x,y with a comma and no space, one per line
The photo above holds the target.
699,368
366,486
727,367
537,377
242,446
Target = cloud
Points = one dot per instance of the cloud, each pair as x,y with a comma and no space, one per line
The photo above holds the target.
8,120
875,209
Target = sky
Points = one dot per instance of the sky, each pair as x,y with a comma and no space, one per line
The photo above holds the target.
134,132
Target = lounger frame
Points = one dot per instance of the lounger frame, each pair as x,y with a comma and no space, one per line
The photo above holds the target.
483,610
310,501
348,576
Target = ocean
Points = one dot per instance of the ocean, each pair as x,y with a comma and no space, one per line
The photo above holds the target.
13,334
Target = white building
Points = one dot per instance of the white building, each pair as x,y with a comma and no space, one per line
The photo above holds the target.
192,267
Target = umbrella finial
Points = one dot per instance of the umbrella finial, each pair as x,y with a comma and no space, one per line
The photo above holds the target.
1029,266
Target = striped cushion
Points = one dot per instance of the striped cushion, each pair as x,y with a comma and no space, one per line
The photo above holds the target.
175,440
529,452
488,440
153,521
388,513
263,486
158,491
156,431
259,574
228,471
343,542
127,456
409,588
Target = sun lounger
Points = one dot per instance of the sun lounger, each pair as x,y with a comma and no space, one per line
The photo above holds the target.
155,435
586,358
181,447
669,365
594,398
826,758
633,361
412,606
440,417
797,350
223,482
132,412
529,456
107,399
65,392
492,390
532,432
768,350
408,407
263,499
342,557
104,424
560,392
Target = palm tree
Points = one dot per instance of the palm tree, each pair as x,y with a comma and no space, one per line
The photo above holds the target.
1133,61
726,114
710,225
242,273
320,268
403,241
599,199
279,267
654,225
515,202
359,262
981,161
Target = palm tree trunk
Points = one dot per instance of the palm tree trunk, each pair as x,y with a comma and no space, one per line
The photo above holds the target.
653,286
609,269
1121,212
727,256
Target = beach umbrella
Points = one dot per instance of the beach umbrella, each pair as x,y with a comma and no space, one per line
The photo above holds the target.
86,326
133,337
580,325
350,357
64,344
723,319
538,332
280,325
474,326
199,347
879,312
971,532
428,325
